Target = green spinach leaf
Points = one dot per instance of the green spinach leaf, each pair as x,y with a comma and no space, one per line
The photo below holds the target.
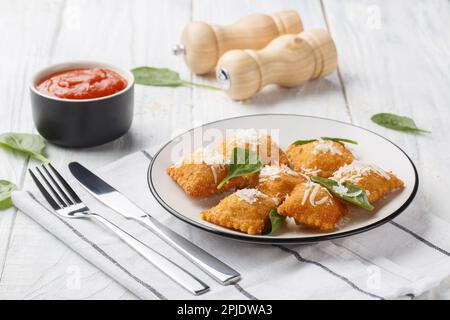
32,145
243,162
340,140
163,77
6,188
396,122
276,221
302,142
346,191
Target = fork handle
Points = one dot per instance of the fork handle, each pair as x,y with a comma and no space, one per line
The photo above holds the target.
176,273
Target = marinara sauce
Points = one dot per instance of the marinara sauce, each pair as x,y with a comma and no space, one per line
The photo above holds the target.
88,83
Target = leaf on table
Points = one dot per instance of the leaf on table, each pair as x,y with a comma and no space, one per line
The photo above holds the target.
6,187
396,122
151,76
28,144
163,77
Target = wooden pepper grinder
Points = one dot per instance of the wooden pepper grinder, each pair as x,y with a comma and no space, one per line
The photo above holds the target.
203,44
289,61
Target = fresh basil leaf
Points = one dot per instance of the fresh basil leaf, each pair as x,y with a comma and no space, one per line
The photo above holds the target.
276,221
150,76
6,188
301,142
243,163
32,145
163,77
396,122
340,140
353,193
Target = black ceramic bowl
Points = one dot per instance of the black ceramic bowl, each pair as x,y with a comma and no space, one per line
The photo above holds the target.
86,122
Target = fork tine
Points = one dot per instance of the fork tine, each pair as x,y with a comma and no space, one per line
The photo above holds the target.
61,191
65,184
44,192
51,189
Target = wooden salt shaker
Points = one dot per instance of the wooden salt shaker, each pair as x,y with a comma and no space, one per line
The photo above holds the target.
289,61
202,44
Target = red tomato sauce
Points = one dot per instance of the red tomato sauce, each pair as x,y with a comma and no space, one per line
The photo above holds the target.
82,84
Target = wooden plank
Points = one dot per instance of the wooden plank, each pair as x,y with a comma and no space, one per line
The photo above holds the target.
25,47
322,97
139,33
394,58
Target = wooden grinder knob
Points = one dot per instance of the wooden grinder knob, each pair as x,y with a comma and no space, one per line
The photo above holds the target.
288,61
203,44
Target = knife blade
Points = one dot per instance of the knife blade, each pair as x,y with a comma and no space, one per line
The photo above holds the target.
112,198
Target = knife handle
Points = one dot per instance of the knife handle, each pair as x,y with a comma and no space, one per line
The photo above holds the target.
218,270
176,273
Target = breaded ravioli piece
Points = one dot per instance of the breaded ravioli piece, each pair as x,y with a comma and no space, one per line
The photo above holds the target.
267,150
201,180
373,180
199,173
246,210
278,181
320,158
312,205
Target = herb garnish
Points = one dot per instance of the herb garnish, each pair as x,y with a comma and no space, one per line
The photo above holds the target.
396,122
276,221
28,144
163,77
345,191
6,188
243,162
339,140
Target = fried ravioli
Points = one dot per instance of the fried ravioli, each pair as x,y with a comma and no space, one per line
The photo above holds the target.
200,173
278,181
375,181
320,158
246,210
267,150
201,180
312,205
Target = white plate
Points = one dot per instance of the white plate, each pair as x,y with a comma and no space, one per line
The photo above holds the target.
371,148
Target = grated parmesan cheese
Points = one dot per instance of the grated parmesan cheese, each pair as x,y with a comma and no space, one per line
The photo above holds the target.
343,221
311,171
249,195
276,201
242,138
322,201
213,170
209,155
274,172
326,146
356,170
311,192
340,189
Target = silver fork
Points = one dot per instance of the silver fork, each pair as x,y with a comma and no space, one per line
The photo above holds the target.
66,203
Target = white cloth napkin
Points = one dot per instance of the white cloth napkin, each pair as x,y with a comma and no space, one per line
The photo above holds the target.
403,258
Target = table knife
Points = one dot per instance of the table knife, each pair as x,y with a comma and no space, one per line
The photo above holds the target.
109,196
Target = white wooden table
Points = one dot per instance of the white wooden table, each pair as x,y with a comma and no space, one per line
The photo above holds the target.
394,56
